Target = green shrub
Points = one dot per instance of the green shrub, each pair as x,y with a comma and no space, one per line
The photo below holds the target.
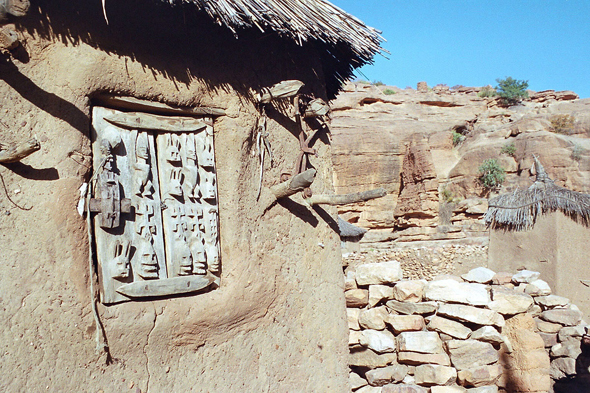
577,152
457,138
378,83
508,149
487,91
447,196
512,91
491,174
388,92
562,124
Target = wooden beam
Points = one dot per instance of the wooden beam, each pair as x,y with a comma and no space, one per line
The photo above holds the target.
282,89
166,286
136,104
147,121
346,199
292,186
14,153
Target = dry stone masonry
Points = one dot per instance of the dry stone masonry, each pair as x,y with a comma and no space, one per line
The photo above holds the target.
483,332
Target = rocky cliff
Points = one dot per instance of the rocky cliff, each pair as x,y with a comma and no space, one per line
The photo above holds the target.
425,147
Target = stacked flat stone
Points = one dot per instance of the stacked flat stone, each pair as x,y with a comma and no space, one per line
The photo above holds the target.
482,332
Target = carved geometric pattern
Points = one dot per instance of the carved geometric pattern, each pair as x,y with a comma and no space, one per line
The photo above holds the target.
155,205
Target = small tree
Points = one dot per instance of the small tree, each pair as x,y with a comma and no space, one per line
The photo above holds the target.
512,91
491,174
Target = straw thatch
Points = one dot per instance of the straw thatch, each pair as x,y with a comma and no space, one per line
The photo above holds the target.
347,229
519,210
349,43
300,20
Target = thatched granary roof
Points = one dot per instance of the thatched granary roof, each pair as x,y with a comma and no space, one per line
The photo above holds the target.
349,42
519,210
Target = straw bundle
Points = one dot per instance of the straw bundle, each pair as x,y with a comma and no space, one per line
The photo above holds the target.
519,210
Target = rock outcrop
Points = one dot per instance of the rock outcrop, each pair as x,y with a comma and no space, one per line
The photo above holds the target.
425,147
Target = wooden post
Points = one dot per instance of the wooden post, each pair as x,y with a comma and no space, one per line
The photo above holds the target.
15,153
346,198
283,89
292,186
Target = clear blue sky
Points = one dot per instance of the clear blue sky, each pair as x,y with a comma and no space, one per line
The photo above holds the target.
475,42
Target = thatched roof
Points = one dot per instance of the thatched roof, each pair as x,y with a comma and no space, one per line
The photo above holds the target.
519,210
299,20
349,41
349,230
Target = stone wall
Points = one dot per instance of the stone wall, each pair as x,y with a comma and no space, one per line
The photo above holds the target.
481,332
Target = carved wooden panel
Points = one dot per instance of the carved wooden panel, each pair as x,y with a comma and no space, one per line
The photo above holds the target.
155,204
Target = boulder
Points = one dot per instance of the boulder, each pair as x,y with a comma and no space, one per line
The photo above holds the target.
509,302
416,359
538,288
471,353
565,317
378,293
404,323
353,318
378,341
452,328
481,275
479,316
453,291
356,297
403,389
379,273
412,308
384,375
409,291
421,342
570,348
552,301
487,334
365,357
373,318
480,376
356,381
562,368
434,374
525,276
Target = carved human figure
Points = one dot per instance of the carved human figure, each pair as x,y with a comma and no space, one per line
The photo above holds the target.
212,257
148,264
197,248
172,148
208,185
191,170
175,182
185,261
120,262
141,168
205,150
212,224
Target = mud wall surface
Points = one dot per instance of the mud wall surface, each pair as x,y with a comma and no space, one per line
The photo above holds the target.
277,321
556,247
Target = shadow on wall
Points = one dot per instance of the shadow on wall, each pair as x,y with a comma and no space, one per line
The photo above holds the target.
580,382
176,42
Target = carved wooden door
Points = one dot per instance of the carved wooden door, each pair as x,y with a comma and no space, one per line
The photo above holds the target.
155,204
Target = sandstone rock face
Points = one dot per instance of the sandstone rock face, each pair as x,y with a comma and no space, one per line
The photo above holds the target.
404,143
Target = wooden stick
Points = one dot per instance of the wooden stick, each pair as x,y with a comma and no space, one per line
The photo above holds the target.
15,153
292,186
346,199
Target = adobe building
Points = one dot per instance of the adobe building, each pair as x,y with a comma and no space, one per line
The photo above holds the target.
153,238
